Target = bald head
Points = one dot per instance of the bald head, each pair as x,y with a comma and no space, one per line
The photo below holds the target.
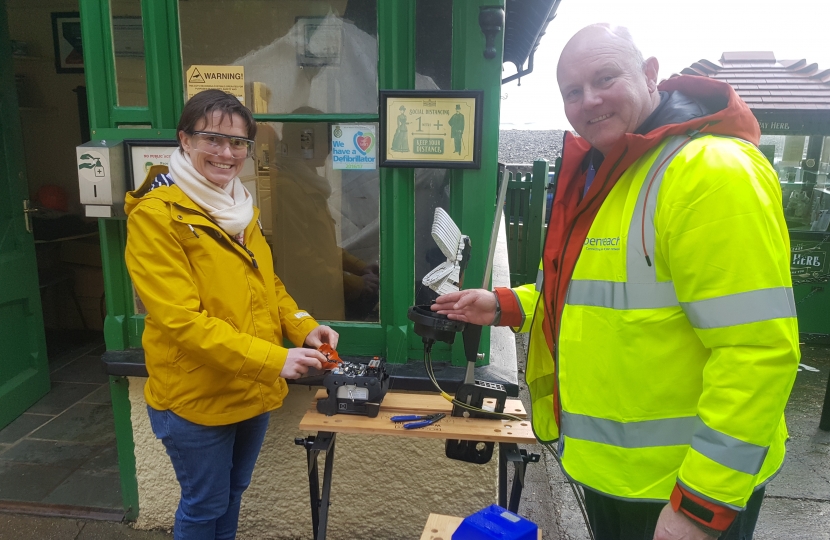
618,37
607,86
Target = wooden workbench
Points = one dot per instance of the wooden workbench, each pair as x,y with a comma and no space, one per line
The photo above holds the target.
508,433
468,429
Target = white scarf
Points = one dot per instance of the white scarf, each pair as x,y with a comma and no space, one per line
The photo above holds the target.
231,207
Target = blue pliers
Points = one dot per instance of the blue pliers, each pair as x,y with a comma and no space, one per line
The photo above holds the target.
416,421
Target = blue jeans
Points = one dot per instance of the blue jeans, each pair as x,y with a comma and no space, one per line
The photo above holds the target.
213,465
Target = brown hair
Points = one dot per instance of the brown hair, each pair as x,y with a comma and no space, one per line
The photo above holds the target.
204,104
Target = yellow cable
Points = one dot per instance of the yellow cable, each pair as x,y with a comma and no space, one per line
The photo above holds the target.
461,404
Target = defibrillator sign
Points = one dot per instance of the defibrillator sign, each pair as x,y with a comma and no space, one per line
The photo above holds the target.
353,146
229,79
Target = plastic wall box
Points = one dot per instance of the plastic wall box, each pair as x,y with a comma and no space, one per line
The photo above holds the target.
495,523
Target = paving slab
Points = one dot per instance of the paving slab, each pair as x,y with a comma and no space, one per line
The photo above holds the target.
27,482
86,369
61,396
793,518
96,489
24,527
22,426
83,422
55,453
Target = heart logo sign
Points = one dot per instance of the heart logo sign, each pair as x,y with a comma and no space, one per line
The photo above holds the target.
364,142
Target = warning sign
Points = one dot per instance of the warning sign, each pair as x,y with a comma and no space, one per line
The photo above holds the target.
230,79
196,77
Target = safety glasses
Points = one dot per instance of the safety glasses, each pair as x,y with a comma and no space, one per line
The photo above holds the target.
215,144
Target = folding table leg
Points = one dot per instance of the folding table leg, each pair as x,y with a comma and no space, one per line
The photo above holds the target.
327,471
824,423
520,458
503,474
323,442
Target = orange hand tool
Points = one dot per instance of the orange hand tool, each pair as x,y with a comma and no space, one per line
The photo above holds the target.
332,358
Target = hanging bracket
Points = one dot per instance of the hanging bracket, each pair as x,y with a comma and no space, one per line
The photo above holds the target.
491,21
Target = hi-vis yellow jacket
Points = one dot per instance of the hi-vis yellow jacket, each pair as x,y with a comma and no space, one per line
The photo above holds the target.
664,352
216,312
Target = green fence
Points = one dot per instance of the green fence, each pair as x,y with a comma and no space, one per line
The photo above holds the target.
524,217
810,268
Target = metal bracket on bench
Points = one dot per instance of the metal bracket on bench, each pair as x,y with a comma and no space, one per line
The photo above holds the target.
510,452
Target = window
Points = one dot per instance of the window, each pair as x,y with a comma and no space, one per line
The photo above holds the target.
128,50
803,164
433,44
295,53
322,223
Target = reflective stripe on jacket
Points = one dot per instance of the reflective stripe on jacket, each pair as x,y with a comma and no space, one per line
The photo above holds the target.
213,335
678,342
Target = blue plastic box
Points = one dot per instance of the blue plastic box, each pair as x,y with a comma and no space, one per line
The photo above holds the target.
495,523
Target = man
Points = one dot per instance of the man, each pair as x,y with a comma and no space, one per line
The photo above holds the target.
457,128
663,340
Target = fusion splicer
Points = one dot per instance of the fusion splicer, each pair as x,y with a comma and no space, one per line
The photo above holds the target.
355,387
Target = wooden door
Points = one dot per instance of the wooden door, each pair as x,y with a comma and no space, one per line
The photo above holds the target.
24,369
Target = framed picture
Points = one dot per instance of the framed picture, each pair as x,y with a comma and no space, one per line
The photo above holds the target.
436,129
66,38
141,154
319,41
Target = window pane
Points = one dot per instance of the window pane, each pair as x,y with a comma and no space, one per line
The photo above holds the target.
802,172
433,44
296,53
787,152
322,223
128,49
824,165
821,204
433,70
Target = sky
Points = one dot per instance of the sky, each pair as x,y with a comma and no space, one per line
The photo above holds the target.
677,34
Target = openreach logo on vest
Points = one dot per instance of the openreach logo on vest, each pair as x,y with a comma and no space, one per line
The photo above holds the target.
602,244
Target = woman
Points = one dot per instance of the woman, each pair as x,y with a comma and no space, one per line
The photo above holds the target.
400,142
216,315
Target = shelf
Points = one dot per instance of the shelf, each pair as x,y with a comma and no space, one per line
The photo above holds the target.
29,58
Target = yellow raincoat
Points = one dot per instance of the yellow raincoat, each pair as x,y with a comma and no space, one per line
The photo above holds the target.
216,312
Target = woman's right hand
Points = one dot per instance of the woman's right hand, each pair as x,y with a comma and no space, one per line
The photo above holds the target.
299,360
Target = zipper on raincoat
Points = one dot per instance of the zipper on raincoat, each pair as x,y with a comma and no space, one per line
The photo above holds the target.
243,246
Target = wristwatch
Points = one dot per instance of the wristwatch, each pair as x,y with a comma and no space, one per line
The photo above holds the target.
497,318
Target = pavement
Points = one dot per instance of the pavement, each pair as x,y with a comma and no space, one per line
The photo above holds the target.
797,502
23,527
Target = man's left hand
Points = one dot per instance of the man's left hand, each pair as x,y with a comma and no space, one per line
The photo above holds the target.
322,334
673,525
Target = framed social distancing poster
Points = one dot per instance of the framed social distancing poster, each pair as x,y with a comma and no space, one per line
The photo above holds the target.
438,129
